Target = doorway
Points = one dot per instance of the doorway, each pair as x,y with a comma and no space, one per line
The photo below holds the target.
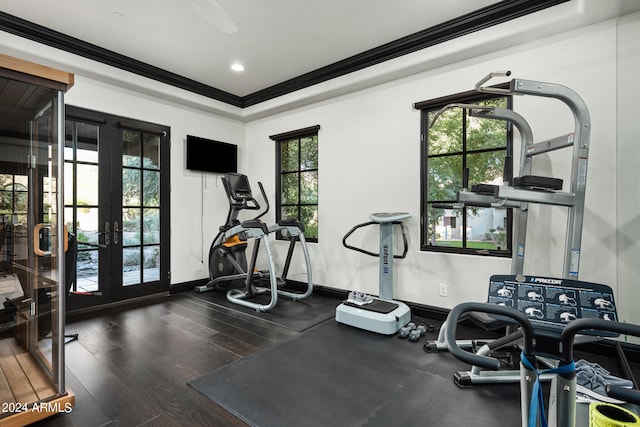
116,206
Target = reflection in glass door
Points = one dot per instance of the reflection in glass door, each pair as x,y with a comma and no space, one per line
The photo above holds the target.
114,188
81,202
32,243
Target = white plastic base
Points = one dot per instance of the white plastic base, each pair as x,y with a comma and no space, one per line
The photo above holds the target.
382,323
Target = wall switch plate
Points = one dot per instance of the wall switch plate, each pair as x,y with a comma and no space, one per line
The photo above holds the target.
443,289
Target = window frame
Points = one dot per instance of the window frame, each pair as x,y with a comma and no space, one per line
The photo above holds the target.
279,139
15,195
469,97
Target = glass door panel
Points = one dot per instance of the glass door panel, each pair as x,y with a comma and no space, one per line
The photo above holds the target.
113,206
82,203
140,207
32,246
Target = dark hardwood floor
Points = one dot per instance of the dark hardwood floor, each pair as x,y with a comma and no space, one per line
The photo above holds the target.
131,364
130,367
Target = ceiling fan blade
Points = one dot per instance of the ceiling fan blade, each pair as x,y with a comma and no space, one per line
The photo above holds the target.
213,13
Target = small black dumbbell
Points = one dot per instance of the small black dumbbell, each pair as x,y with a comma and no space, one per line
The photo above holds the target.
406,331
415,334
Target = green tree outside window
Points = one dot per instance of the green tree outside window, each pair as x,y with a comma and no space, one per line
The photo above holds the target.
297,165
454,144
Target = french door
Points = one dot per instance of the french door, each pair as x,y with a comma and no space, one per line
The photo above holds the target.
116,206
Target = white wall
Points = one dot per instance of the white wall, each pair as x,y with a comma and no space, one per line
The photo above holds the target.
628,158
369,157
193,225
369,151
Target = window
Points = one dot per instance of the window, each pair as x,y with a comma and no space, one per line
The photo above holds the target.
14,193
458,148
297,178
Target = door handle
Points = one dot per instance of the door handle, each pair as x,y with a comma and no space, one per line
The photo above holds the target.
42,238
107,235
116,233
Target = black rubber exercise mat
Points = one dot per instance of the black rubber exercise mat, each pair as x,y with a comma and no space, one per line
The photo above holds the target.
295,315
336,375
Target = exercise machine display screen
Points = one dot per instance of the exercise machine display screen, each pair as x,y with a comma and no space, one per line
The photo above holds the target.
551,303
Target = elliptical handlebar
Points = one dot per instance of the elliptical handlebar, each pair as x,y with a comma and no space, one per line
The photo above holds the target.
249,204
476,359
240,196
266,201
244,202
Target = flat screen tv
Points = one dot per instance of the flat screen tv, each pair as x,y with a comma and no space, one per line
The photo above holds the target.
211,156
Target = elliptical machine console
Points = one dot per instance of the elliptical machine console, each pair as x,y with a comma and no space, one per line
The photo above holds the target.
228,257
228,269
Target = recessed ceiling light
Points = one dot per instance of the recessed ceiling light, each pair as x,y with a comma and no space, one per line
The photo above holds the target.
237,67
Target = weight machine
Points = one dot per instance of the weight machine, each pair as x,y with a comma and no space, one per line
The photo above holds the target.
549,312
524,190
544,338
527,188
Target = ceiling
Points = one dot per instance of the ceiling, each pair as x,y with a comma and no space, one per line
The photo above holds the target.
284,45
275,40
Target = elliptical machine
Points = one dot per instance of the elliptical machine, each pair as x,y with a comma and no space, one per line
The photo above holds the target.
228,269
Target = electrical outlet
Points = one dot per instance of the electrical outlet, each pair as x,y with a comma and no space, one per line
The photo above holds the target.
201,266
303,269
443,289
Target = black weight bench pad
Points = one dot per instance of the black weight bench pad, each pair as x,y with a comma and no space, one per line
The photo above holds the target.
540,182
489,189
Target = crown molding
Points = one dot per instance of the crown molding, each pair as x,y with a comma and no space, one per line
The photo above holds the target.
475,21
